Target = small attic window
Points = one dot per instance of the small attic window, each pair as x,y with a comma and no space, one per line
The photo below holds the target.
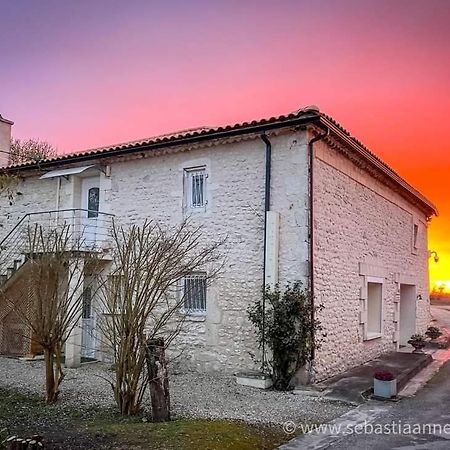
415,236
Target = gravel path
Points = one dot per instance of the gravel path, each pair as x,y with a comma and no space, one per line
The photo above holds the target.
196,395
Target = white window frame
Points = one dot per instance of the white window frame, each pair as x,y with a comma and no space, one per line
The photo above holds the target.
197,311
369,335
189,174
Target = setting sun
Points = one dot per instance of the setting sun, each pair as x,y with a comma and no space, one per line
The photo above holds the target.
439,271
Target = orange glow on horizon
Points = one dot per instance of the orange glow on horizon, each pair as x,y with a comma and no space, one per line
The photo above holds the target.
441,287
88,74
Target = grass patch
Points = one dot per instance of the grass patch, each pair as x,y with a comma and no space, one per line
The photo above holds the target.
192,434
15,404
100,428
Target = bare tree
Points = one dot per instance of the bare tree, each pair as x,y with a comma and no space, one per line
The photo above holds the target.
30,150
49,302
8,186
141,303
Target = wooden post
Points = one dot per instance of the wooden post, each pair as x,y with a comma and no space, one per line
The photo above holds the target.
158,380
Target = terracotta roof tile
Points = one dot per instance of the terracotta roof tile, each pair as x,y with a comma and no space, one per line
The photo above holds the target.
309,114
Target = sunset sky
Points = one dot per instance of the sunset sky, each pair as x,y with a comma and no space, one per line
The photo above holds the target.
81,74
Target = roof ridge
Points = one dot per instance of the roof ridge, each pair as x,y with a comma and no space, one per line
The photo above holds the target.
133,142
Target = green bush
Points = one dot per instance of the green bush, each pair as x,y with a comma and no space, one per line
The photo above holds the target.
286,326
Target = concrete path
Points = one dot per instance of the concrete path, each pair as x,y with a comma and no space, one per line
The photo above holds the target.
354,385
418,422
442,315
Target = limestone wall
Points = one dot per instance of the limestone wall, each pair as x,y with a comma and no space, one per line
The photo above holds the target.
362,229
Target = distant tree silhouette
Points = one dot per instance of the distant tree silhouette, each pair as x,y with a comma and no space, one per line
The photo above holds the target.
30,150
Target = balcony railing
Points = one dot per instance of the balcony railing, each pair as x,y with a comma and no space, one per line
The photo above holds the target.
83,230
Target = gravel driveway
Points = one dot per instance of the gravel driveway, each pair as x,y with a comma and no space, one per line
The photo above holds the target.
192,394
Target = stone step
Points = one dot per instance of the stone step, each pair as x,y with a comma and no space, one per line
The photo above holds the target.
354,386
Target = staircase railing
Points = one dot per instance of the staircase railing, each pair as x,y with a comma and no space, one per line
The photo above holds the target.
89,230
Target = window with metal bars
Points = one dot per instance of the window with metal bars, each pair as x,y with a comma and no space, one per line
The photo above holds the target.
196,188
194,294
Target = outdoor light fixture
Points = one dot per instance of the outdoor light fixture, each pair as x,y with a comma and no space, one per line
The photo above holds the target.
436,256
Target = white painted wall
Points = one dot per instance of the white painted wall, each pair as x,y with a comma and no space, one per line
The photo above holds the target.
224,339
153,188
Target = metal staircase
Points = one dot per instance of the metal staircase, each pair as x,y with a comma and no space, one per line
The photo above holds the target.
89,231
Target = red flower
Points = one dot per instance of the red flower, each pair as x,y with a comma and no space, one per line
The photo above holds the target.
383,375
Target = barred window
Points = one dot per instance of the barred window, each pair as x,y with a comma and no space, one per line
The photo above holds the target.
195,293
196,188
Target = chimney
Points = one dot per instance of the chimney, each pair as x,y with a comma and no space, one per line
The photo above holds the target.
5,140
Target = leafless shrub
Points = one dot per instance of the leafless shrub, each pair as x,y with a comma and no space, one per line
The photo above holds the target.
141,297
53,292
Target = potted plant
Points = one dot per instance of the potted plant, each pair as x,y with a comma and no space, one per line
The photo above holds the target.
433,332
418,341
384,384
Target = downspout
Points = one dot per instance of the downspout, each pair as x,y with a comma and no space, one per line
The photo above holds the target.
58,195
311,228
268,165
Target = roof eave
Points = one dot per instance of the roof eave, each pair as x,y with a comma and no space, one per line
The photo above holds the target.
246,128
429,207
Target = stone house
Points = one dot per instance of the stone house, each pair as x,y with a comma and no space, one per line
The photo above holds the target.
299,199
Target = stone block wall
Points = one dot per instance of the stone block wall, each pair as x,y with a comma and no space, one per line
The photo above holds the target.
153,188
362,229
35,195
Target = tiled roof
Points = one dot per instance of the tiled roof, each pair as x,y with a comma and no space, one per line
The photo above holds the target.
168,138
385,168
304,115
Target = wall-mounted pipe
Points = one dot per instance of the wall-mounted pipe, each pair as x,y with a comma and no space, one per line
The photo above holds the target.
311,228
268,167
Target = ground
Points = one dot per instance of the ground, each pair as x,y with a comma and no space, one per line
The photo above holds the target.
423,418
442,314
210,409
210,412
430,408
99,428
